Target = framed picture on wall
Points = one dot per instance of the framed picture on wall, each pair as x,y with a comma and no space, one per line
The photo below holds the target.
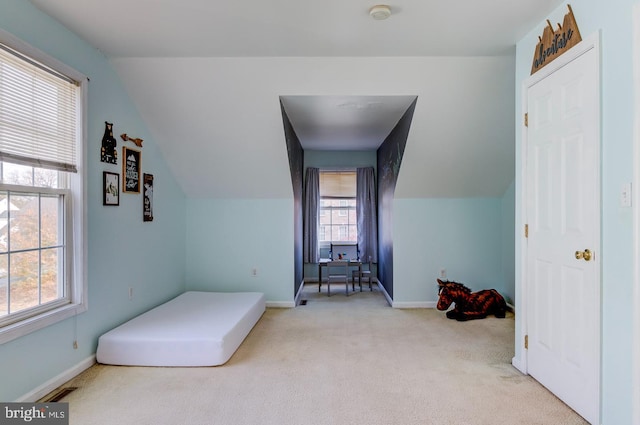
131,167
110,188
147,197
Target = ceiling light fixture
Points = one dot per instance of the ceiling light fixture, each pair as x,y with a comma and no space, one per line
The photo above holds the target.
380,12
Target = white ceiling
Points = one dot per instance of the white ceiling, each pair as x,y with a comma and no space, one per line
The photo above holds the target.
332,98
251,28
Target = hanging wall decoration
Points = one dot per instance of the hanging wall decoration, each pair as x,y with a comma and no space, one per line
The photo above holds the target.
108,151
147,197
130,170
554,43
135,141
110,188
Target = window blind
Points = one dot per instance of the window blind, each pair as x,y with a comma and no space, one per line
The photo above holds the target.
38,114
338,184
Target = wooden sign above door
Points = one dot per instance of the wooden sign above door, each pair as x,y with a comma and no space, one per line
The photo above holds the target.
554,43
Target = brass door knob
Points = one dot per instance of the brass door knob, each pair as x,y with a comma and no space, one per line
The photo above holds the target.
584,255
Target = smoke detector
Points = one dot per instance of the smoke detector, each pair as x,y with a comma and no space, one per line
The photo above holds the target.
380,12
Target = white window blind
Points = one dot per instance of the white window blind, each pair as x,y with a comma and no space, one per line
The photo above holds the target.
38,114
337,184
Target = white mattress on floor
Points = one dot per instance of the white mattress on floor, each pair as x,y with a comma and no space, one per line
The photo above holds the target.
193,329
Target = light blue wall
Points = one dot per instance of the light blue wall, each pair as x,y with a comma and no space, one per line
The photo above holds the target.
463,236
339,159
230,237
123,251
613,19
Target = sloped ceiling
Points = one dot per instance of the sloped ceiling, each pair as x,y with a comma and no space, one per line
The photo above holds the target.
207,77
376,117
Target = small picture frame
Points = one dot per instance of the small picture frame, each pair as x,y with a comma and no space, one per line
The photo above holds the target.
131,166
110,188
147,197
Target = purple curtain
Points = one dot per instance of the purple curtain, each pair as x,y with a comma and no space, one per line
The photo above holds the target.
310,252
366,214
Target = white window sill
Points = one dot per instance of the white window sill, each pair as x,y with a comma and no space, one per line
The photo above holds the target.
32,324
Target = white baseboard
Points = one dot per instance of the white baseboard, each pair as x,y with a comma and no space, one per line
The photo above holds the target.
414,304
58,381
384,291
280,304
296,301
518,364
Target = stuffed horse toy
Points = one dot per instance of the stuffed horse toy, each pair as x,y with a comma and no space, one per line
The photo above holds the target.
469,306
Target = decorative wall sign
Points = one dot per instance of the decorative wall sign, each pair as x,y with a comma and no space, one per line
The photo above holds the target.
136,141
552,44
108,151
147,198
130,170
110,188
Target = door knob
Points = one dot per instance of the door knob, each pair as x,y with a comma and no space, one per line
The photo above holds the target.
584,255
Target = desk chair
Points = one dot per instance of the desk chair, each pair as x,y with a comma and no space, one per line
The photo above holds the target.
366,274
338,271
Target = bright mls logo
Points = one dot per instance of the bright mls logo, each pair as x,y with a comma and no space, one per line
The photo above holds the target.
34,413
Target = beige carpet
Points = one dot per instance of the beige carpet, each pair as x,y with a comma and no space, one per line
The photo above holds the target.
337,360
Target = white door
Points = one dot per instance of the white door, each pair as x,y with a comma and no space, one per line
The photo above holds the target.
563,258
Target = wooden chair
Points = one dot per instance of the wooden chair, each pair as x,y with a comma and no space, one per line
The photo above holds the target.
337,272
363,274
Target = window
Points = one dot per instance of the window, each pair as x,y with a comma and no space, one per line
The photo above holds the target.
343,212
337,207
42,238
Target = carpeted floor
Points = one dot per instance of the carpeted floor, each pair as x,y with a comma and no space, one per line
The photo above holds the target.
335,360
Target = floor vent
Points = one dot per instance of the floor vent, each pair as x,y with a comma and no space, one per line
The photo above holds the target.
59,395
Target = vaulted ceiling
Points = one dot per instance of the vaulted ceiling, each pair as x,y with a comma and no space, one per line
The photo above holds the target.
207,78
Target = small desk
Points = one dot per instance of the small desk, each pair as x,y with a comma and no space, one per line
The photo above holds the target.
324,262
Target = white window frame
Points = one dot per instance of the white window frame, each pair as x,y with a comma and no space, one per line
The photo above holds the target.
77,234
328,211
343,211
